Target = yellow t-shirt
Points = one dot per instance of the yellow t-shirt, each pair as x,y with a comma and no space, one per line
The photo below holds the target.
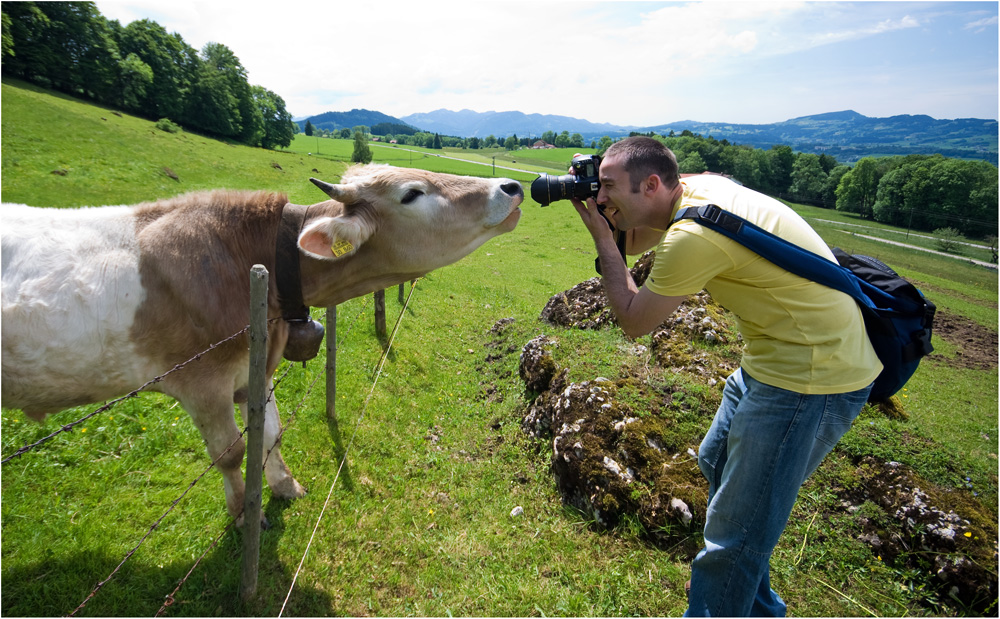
799,335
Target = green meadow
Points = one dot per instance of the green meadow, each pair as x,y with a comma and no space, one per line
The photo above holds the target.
419,521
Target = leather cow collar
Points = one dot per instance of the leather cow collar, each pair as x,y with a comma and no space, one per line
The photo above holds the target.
304,334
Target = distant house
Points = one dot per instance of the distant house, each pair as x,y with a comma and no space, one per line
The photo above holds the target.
542,144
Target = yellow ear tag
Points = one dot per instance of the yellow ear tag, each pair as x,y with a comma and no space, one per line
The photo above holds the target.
341,247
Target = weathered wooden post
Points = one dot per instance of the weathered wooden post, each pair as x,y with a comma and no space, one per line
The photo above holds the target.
380,315
256,402
331,363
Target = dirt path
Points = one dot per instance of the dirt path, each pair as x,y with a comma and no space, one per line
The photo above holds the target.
983,263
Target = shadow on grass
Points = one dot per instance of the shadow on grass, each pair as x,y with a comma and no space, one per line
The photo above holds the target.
57,585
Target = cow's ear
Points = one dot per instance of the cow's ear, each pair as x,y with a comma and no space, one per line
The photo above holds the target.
330,238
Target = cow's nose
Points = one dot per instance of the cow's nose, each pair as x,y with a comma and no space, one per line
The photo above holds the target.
513,189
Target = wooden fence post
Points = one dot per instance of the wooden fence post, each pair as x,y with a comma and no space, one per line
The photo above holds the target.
257,401
380,315
331,363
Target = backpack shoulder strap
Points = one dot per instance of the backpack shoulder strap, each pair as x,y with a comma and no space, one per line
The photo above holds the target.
777,250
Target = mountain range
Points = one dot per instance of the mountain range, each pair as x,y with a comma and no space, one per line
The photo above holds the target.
847,135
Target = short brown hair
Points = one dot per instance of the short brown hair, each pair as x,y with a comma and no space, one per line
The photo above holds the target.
642,157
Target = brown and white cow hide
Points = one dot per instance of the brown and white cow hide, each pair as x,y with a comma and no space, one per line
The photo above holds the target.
97,301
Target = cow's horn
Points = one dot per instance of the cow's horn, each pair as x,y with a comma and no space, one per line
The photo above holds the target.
327,188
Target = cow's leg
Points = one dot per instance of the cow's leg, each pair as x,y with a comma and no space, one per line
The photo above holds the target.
279,478
215,419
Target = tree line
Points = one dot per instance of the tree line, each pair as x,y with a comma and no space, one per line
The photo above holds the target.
923,192
142,69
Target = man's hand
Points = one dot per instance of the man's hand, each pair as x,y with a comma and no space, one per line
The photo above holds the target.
592,218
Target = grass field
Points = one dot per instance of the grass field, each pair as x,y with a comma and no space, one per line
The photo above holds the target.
420,522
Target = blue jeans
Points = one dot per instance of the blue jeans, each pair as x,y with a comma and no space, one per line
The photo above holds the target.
763,444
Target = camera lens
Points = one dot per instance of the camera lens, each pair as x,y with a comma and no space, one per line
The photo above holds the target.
547,189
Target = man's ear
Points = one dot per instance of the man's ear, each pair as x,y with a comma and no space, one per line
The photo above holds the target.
331,238
652,183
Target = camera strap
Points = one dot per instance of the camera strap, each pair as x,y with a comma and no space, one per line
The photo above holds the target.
620,238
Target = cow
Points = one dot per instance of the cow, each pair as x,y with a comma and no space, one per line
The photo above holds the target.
97,301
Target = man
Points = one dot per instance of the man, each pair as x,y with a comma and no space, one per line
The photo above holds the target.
806,371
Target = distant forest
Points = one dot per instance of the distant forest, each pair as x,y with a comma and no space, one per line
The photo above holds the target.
141,69
924,192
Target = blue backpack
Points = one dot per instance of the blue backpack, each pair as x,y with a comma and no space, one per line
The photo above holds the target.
898,318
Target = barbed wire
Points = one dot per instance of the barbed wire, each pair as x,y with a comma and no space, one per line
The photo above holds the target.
343,459
176,501
170,598
131,394
152,528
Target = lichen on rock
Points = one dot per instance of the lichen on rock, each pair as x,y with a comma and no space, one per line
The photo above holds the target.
912,523
612,462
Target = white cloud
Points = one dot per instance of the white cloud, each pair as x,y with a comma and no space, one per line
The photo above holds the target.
981,24
887,25
624,63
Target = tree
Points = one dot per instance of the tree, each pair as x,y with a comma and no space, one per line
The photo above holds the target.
212,106
278,129
7,49
67,46
362,153
511,143
781,160
309,127
174,64
964,194
829,195
26,47
902,193
808,177
858,188
692,164
828,162
748,165
221,99
991,241
134,77
948,240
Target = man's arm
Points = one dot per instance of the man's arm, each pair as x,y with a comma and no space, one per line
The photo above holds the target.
638,311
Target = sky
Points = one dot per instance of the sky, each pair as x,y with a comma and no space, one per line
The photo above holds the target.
625,63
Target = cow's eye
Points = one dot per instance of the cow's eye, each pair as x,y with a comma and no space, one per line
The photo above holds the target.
412,195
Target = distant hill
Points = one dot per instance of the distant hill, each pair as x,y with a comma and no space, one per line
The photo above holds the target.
332,121
847,135
469,124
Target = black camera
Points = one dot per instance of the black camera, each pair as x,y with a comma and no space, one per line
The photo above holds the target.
582,184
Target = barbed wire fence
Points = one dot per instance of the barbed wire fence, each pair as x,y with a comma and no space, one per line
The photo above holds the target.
361,417
332,335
